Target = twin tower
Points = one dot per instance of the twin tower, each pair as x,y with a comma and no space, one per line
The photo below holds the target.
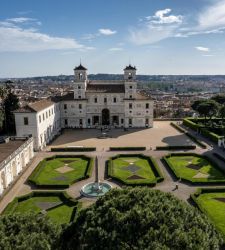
81,73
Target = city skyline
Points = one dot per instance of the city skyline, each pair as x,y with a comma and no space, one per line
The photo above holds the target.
50,37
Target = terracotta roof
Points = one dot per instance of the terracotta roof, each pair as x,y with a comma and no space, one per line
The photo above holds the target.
80,67
106,88
142,97
35,106
129,67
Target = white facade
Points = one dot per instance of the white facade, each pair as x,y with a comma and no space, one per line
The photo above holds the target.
15,163
92,104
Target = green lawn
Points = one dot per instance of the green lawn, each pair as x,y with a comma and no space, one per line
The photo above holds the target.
143,173
184,167
47,171
214,209
60,211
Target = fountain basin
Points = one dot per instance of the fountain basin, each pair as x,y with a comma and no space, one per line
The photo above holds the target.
89,190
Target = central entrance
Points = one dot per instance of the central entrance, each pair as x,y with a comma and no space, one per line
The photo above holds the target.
105,117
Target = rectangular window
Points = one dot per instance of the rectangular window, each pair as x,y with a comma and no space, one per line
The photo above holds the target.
81,122
105,100
79,87
130,105
66,122
122,121
52,111
114,99
147,105
39,119
96,99
25,120
43,117
146,121
46,114
130,121
130,87
65,106
49,112
80,106
79,96
131,96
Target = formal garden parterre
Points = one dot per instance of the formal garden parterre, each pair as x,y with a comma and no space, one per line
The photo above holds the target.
194,168
60,171
134,169
57,205
211,201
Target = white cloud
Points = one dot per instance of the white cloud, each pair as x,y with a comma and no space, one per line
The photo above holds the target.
156,28
161,18
204,49
107,32
20,19
15,38
116,49
213,16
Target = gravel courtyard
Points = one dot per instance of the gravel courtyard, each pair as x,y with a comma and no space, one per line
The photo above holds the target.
161,134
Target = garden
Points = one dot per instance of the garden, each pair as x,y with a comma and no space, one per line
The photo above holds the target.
134,169
194,168
212,203
61,171
57,205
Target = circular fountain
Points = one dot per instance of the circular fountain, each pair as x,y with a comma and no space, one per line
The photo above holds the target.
97,188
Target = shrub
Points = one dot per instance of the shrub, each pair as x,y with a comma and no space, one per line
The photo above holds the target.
140,218
183,147
127,148
190,124
176,126
74,149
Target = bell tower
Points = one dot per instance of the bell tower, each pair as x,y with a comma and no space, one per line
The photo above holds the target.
80,82
130,82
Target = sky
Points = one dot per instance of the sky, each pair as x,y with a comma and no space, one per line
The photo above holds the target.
51,37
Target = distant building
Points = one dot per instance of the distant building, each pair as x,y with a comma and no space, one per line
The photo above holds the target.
92,104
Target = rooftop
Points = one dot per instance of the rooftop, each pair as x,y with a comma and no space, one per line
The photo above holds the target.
80,67
35,106
105,88
129,67
6,149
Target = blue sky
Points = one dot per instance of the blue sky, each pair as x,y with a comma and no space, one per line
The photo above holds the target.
48,37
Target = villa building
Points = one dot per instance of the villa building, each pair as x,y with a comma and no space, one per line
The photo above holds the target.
116,104
15,154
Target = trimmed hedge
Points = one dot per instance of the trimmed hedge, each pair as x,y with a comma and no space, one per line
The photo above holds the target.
127,148
210,160
88,172
66,199
154,166
74,149
183,147
192,137
177,127
220,157
204,131
190,124
212,136
196,140
200,191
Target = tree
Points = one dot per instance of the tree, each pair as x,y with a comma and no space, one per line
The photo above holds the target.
10,104
27,231
140,218
206,108
219,99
